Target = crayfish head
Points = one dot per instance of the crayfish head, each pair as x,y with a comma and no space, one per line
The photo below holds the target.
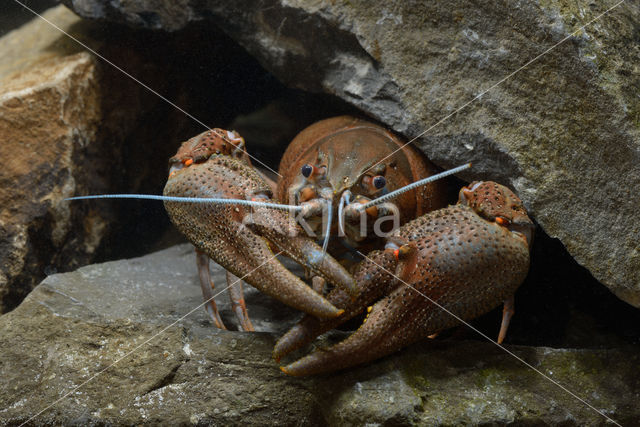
497,203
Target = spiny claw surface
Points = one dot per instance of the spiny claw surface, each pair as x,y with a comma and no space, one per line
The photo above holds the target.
459,257
221,232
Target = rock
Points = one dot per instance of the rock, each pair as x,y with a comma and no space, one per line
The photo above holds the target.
72,124
126,342
64,120
49,113
562,130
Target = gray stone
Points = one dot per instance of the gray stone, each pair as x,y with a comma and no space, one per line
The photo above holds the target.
562,130
126,342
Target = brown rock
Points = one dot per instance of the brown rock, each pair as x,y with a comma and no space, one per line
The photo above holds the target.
63,122
49,111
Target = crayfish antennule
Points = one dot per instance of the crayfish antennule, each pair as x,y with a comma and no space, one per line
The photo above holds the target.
344,200
327,234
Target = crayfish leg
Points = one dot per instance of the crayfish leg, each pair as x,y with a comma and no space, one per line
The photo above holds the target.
507,313
202,261
236,295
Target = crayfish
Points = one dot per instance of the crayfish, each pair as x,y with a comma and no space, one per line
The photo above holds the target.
414,265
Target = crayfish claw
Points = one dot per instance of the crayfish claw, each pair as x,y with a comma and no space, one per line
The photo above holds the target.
219,230
374,279
453,265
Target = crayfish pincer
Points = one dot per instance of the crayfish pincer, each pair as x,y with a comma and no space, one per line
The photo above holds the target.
224,207
447,266
237,236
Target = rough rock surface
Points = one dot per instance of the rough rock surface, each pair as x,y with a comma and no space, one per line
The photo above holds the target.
564,131
63,122
131,335
49,108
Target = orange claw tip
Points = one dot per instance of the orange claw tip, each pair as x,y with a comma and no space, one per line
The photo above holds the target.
188,162
293,371
284,369
501,221
340,312
396,253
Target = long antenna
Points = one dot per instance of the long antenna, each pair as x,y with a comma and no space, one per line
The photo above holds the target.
217,201
410,187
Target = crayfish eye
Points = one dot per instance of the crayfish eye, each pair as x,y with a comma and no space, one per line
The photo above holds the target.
379,182
306,170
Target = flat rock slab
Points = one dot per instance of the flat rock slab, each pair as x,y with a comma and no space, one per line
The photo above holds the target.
126,342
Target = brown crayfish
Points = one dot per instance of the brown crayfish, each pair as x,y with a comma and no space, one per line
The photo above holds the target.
417,267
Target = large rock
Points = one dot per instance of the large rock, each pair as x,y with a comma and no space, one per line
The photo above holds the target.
63,124
49,112
71,123
127,342
563,130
